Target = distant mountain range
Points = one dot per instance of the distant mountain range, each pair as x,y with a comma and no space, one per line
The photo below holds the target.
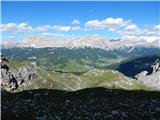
87,41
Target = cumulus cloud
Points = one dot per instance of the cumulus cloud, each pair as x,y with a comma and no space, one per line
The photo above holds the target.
75,22
132,27
133,33
141,38
149,38
8,27
14,27
107,23
42,28
157,27
45,28
24,27
153,33
53,34
111,29
75,28
61,28
124,28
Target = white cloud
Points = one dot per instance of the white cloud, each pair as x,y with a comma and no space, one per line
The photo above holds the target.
42,28
53,34
133,33
157,27
8,27
125,28
107,23
24,27
112,21
75,22
132,27
61,28
132,30
94,24
75,28
140,38
153,33
56,28
129,37
14,27
149,38
111,30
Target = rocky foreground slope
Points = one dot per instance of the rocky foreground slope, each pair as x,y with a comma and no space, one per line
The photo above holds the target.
14,76
87,104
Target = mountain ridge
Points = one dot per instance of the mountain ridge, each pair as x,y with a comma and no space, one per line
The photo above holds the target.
82,42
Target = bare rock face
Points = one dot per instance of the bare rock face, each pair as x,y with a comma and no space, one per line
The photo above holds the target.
156,66
141,74
152,80
8,81
12,79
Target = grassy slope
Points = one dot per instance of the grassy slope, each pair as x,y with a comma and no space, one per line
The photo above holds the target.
15,64
69,81
72,82
82,65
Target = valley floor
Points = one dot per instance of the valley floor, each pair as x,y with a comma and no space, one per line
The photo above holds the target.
87,104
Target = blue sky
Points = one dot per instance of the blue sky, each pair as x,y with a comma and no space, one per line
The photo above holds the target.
144,15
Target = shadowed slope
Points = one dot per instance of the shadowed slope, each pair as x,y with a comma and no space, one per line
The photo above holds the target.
86,104
134,67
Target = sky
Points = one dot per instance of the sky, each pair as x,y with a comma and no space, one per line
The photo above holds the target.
113,20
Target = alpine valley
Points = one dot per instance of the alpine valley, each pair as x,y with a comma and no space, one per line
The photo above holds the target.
85,63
